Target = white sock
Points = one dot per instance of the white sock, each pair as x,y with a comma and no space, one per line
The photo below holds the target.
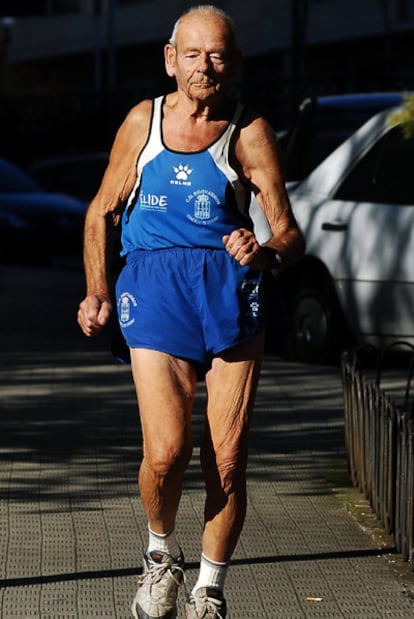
212,574
163,542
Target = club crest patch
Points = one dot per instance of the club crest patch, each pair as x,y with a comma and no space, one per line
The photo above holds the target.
126,302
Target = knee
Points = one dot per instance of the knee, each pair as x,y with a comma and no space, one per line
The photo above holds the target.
232,471
165,460
227,467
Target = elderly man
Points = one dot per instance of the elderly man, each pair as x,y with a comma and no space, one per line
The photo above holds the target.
180,177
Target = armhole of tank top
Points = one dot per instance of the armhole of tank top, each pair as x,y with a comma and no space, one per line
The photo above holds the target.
156,104
154,127
228,136
241,189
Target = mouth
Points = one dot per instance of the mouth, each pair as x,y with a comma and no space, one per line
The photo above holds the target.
204,84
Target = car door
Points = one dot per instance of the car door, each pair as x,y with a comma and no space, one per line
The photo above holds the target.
369,225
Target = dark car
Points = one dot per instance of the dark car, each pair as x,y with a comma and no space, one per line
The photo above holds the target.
76,175
37,227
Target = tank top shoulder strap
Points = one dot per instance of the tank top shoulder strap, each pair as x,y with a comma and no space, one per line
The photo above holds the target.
154,143
154,138
221,146
152,148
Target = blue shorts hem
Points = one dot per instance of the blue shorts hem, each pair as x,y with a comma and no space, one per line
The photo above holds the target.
220,349
197,358
168,351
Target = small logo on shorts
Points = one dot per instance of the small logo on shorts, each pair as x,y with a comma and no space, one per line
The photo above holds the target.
125,302
250,290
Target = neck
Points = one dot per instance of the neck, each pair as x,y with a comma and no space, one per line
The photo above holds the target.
215,108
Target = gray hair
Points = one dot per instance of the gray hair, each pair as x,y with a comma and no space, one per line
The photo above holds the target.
206,8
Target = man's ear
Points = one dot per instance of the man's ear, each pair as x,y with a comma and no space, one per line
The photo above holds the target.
169,58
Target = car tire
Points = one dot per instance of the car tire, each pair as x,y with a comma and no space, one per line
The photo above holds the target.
312,335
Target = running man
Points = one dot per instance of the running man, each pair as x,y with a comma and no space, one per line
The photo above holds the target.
181,174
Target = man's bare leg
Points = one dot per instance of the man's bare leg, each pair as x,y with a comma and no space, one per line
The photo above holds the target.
231,386
165,389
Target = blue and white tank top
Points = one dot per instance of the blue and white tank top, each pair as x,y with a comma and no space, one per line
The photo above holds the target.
184,199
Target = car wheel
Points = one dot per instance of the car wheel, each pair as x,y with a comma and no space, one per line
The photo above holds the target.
311,334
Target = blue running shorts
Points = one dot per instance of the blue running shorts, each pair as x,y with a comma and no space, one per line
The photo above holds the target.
189,302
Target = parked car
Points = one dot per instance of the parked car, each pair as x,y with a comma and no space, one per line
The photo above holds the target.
323,123
356,281
36,226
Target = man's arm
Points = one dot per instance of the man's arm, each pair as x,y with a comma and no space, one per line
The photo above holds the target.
104,212
257,161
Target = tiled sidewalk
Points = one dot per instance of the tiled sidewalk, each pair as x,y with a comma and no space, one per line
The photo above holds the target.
72,531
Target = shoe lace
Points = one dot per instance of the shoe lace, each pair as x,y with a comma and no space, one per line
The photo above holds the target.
209,605
157,571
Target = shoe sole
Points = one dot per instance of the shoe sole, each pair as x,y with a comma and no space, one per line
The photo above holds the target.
172,615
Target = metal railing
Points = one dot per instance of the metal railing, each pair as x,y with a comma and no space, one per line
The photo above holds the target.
379,432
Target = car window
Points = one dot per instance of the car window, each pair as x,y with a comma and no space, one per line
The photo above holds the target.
321,145
14,180
384,174
318,132
324,123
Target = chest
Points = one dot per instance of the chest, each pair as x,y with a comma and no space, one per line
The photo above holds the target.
191,136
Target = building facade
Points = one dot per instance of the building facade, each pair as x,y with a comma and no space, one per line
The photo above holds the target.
291,48
76,44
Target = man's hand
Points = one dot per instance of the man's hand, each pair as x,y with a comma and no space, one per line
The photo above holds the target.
243,246
93,314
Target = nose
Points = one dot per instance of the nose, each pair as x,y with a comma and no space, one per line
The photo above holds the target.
203,63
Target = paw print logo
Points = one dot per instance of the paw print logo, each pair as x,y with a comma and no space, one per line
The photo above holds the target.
254,307
182,172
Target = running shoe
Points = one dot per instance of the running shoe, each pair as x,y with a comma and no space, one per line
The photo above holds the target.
156,597
205,603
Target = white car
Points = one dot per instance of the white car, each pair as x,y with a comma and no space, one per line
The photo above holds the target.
356,281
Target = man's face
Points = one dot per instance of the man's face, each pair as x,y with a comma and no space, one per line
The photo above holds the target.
203,61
